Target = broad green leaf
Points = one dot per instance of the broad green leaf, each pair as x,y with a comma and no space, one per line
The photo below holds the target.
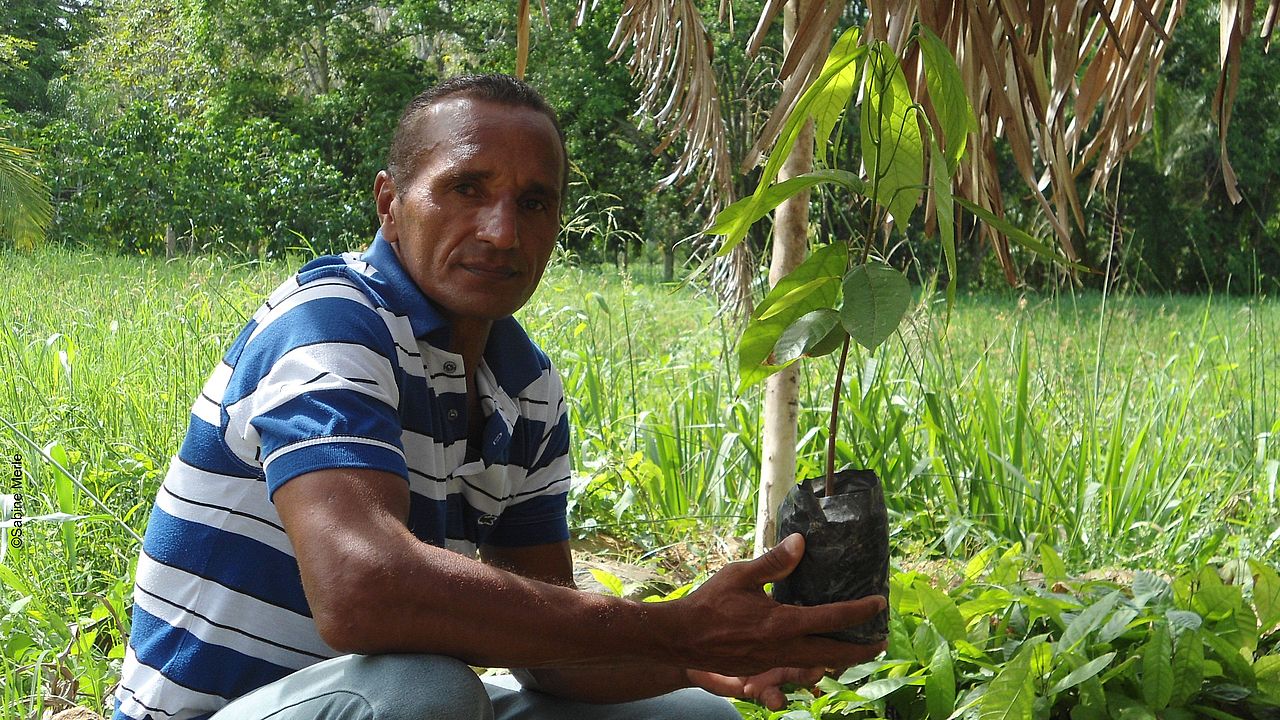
1266,594
805,334
876,298
1092,704
877,689
945,207
1085,672
892,145
1212,598
831,100
1055,571
989,602
942,612
609,581
734,221
946,90
1018,235
1188,669
1123,707
1089,619
1146,587
1010,696
940,684
1234,664
797,296
760,336
1182,620
1267,669
1157,668
1118,624
736,228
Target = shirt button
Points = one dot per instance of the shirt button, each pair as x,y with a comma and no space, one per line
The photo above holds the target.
453,414
450,367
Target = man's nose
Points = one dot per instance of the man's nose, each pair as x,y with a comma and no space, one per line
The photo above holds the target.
497,224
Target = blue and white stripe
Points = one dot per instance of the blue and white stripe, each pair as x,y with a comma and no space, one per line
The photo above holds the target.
342,366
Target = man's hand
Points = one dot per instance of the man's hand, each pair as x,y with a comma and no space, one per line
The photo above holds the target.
729,625
765,688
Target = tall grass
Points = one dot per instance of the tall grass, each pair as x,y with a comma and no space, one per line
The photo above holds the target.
1148,434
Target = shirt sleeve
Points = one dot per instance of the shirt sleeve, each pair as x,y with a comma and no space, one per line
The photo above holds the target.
315,388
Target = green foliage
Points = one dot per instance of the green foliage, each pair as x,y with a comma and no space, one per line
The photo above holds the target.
252,189
993,647
26,211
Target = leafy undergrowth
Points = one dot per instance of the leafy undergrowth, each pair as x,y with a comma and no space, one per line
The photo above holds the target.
1001,642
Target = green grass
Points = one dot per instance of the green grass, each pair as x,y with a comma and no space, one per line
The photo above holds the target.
1145,436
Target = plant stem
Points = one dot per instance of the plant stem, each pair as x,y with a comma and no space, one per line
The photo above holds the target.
830,487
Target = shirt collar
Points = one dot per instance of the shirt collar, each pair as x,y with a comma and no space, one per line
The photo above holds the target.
509,353
404,295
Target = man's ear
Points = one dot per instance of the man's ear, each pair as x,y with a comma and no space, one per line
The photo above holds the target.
384,195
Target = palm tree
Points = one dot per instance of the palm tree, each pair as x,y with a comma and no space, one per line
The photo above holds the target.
25,207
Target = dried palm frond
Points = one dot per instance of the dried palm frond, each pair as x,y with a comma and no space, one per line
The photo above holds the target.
1069,85
679,93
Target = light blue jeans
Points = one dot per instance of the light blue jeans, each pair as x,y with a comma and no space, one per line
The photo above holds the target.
434,687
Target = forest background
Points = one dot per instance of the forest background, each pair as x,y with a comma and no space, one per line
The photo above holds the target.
249,127
1086,464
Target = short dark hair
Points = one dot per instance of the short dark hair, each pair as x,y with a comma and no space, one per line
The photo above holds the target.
497,88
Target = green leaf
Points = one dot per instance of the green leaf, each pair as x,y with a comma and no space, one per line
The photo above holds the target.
806,333
946,90
609,581
1092,703
830,101
876,298
945,206
941,611
1122,707
1146,587
1055,571
1236,667
1181,621
1087,621
1188,669
1010,696
1266,594
940,684
1018,235
1118,624
877,689
794,296
892,145
1212,598
1157,668
734,221
1085,672
761,335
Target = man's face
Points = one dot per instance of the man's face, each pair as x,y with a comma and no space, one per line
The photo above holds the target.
477,218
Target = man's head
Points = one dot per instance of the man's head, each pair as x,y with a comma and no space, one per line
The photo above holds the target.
500,89
472,201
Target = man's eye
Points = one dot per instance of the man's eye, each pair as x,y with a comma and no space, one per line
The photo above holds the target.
465,189
534,205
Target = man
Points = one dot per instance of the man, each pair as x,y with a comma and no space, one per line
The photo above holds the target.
382,420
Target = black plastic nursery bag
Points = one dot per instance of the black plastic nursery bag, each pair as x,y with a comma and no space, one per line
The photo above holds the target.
846,552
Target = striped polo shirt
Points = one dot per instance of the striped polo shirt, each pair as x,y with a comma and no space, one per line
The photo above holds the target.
341,367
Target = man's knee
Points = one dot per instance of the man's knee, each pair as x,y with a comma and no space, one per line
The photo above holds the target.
703,705
414,687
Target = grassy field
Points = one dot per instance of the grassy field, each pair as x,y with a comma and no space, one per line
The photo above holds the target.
1138,432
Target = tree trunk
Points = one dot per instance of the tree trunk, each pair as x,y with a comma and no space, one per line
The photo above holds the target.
170,242
782,390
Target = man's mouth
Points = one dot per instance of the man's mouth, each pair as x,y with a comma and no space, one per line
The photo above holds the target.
493,272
